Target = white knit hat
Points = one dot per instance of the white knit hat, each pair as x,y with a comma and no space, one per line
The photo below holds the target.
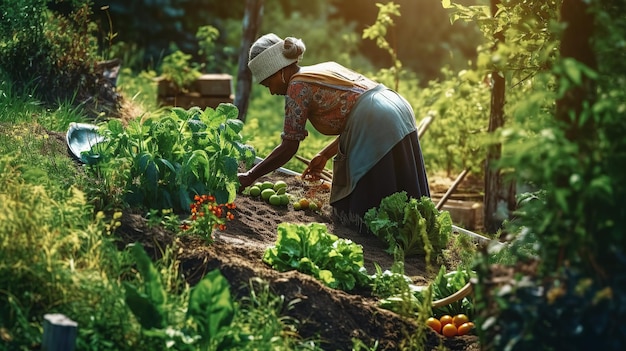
269,61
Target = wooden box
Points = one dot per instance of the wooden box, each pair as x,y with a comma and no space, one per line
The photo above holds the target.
209,90
465,214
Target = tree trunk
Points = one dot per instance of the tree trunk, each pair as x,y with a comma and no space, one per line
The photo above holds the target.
498,195
251,23
576,44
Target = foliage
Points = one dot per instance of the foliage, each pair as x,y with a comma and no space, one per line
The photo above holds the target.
157,28
567,153
55,257
209,308
310,249
585,206
530,36
207,35
23,40
378,32
412,225
163,162
459,108
565,310
178,69
207,215
47,52
410,299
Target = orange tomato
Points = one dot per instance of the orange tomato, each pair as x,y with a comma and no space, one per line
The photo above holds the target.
304,203
449,330
434,323
465,328
460,319
445,319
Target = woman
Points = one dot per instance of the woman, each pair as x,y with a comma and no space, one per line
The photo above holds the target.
377,152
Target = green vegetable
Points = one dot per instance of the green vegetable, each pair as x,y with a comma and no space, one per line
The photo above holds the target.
446,284
310,249
415,226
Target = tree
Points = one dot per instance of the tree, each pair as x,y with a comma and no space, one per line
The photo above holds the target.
497,192
251,22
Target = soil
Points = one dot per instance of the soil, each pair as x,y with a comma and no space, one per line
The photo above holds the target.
332,316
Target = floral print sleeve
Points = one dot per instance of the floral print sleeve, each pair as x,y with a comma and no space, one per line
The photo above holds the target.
326,107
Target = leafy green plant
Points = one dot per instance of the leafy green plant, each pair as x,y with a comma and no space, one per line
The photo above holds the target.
50,52
179,71
390,282
412,225
310,249
207,36
209,309
167,160
407,299
446,284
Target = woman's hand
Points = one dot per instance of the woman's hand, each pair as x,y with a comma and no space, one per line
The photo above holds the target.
245,180
314,170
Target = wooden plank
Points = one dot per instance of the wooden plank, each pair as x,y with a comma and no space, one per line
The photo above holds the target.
193,99
209,85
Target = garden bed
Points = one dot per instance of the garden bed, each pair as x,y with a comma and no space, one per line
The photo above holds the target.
330,315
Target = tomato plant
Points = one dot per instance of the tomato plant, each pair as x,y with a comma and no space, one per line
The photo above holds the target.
207,215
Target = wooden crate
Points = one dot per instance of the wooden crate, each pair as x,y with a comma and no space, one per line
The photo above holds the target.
465,214
209,90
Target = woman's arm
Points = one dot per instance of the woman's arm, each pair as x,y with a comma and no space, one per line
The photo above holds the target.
278,157
318,163
330,150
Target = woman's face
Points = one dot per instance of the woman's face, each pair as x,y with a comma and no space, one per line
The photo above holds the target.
275,84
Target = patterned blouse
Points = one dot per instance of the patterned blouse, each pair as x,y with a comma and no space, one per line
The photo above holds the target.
325,105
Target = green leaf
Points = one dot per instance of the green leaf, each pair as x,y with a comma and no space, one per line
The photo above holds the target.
149,315
310,249
148,306
152,279
210,304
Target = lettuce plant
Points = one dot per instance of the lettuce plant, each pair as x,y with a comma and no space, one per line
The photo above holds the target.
310,249
414,226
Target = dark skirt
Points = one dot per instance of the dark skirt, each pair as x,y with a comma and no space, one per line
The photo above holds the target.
402,169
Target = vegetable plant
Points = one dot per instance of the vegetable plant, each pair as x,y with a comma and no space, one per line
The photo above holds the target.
165,161
310,249
444,285
210,307
207,215
412,225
